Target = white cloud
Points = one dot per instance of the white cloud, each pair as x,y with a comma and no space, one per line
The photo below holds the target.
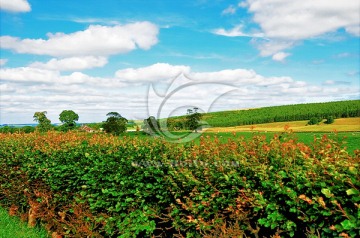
5,88
15,5
280,56
3,61
354,30
334,82
302,19
285,23
72,63
243,4
235,32
343,55
152,73
236,76
96,40
230,10
29,75
95,20
271,47
25,74
25,90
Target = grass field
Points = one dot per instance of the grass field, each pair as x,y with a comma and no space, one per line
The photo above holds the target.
12,227
348,130
341,124
351,139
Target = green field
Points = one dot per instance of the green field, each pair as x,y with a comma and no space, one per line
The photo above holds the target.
12,227
349,140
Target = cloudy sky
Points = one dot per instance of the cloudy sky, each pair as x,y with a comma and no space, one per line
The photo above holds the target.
160,57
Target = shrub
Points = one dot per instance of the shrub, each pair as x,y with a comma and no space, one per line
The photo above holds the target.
100,185
314,121
329,120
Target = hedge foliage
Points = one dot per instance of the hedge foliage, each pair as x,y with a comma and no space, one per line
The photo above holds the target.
81,185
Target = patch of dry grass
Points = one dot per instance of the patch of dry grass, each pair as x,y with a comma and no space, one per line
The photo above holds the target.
341,124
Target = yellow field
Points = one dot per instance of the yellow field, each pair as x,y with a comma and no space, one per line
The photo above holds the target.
341,124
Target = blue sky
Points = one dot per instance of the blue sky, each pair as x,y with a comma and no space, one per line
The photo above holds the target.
94,57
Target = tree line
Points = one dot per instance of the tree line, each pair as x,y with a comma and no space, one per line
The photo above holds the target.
192,121
297,112
115,123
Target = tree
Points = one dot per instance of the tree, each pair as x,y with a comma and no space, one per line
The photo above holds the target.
151,125
329,120
68,118
115,123
314,121
44,123
193,119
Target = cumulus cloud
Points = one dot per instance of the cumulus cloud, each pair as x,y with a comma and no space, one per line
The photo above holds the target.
71,63
238,76
30,75
25,90
25,74
15,5
302,19
152,73
280,56
96,40
284,23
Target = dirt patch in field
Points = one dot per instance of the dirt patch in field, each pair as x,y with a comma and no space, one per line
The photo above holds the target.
341,124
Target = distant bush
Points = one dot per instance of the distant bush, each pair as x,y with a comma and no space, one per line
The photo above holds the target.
27,129
7,129
313,121
329,120
24,129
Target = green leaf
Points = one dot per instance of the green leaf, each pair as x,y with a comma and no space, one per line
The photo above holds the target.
327,192
129,199
352,191
347,225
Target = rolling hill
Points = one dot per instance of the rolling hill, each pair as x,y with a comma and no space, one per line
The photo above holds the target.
297,112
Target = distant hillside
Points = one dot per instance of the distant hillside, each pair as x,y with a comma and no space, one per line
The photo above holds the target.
297,112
